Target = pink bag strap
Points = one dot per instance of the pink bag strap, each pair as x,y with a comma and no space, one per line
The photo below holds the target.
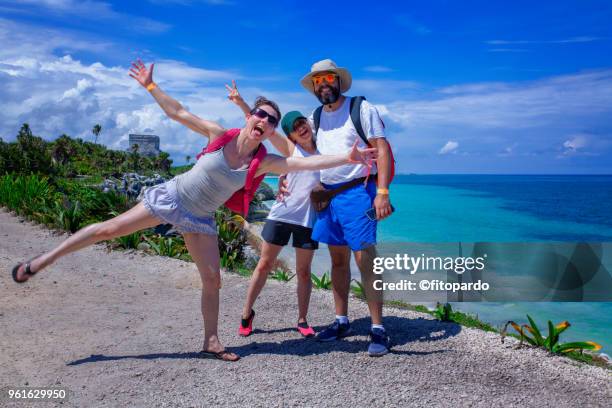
250,178
219,142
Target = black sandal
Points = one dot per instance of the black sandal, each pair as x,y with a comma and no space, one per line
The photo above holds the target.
28,271
221,355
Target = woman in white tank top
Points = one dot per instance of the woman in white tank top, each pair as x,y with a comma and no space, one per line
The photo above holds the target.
291,216
164,201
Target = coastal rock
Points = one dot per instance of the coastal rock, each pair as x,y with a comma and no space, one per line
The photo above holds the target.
258,211
131,184
264,193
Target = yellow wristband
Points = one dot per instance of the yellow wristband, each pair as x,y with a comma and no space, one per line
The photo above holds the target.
384,191
151,86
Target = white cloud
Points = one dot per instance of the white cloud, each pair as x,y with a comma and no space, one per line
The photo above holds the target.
450,147
25,42
377,68
522,105
61,94
575,145
87,10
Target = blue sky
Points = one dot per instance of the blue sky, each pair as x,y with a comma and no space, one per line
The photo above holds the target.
463,87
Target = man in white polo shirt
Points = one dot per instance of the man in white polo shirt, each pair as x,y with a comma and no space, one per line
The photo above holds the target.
344,225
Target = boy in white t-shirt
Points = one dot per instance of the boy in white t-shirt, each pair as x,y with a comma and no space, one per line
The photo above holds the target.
344,225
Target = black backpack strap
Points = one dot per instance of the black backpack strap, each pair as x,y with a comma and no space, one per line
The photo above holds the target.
355,109
317,119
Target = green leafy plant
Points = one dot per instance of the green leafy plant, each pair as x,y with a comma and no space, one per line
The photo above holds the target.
25,195
358,289
281,275
443,312
322,282
533,336
68,215
129,241
231,238
167,246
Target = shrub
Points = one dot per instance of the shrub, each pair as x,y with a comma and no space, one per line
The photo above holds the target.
232,238
532,335
443,312
323,282
281,275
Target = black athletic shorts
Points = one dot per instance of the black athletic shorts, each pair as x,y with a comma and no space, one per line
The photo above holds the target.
278,233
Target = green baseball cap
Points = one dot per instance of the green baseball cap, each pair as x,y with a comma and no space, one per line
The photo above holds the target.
289,119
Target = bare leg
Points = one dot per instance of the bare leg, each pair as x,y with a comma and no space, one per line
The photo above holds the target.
340,276
365,261
204,251
135,219
269,253
303,261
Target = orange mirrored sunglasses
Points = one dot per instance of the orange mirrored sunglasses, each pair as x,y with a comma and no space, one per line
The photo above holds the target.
318,79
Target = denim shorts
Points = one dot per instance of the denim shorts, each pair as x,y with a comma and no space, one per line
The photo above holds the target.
344,221
162,202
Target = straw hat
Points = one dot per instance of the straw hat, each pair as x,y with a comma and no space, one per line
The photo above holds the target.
327,65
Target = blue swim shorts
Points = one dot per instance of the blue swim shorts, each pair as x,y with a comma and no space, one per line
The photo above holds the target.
344,221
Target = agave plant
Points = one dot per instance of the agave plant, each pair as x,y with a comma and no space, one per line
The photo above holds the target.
443,312
130,241
68,215
232,238
358,289
167,246
532,335
323,282
281,275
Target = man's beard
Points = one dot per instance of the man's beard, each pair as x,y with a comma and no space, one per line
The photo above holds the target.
328,99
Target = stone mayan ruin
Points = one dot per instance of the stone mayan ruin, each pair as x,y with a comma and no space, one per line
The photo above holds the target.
148,145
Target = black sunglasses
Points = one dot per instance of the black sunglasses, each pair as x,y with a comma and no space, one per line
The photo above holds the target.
262,114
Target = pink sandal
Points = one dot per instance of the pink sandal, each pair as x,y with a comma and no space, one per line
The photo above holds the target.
246,325
305,330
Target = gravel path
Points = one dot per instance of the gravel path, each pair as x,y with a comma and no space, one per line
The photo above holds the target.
120,329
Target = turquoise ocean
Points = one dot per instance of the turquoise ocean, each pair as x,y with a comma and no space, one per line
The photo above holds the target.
504,208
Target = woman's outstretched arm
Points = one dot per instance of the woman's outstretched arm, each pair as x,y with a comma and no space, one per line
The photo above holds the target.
282,144
172,107
280,165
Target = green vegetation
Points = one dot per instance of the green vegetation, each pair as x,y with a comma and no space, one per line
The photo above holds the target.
281,275
130,241
181,169
534,337
232,238
67,157
466,320
443,312
322,282
358,289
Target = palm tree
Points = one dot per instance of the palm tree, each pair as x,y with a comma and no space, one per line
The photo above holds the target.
188,159
96,131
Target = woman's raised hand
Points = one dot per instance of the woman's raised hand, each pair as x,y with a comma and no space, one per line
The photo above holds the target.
234,95
362,156
141,74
